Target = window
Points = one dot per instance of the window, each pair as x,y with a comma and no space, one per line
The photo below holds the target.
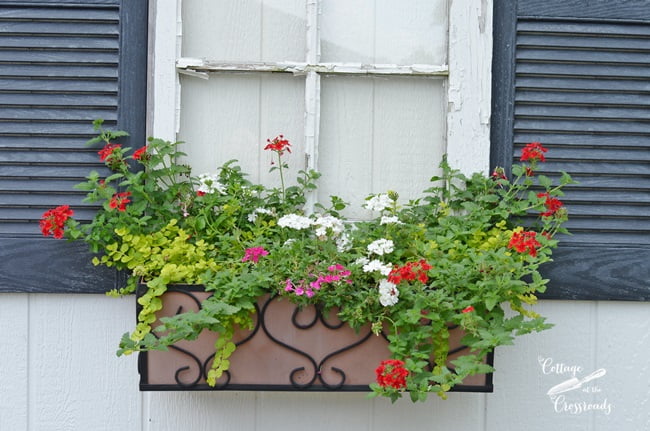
62,64
575,75
369,90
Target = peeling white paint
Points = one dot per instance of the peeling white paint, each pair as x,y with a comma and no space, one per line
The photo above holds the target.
298,68
312,94
469,85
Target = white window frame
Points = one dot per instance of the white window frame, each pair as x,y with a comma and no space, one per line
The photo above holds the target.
468,75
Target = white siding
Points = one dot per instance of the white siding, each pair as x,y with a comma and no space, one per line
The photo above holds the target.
59,372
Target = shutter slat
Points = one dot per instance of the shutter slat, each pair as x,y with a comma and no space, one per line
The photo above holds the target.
34,200
31,13
602,29
533,39
524,110
58,71
537,81
50,99
59,56
583,56
37,142
89,157
46,171
581,139
578,125
97,28
60,114
59,42
600,168
582,70
76,57
36,185
585,98
61,85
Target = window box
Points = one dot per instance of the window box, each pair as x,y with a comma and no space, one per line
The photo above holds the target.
288,350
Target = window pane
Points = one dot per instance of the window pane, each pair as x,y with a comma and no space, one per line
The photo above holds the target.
244,30
384,31
230,116
379,134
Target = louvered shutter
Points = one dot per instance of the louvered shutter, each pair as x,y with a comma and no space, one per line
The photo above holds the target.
575,75
62,64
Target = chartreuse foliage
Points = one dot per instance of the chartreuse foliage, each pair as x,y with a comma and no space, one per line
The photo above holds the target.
466,253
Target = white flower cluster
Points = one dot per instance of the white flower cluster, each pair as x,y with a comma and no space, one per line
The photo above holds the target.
323,223
388,293
381,246
295,221
376,265
389,220
343,243
378,202
210,184
253,216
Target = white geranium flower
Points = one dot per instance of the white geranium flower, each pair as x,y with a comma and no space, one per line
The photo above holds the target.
253,216
378,202
381,246
376,265
295,221
388,293
328,222
210,184
343,243
389,220
362,261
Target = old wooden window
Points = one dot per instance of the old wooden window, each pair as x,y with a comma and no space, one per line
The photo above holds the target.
372,91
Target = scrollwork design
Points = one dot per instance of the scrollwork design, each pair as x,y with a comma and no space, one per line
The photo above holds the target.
312,361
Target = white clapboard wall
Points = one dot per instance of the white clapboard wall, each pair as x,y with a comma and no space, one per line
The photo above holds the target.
59,373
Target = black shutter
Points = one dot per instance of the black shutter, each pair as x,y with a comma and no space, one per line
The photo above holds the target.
575,75
62,64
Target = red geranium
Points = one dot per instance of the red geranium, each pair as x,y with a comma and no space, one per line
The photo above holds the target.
552,204
106,152
410,271
524,241
53,221
533,152
119,201
391,373
278,144
139,153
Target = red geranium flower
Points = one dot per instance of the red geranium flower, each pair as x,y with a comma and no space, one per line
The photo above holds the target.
119,201
533,152
106,152
410,271
552,204
391,373
137,154
278,144
524,241
53,221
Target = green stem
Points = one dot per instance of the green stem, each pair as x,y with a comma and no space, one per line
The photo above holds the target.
281,176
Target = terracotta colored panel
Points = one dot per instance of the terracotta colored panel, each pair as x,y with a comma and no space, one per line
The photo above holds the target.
289,349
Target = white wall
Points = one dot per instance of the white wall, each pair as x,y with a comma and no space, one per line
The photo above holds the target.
59,373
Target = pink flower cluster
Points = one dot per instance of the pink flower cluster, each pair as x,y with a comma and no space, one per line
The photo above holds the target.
254,254
335,273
